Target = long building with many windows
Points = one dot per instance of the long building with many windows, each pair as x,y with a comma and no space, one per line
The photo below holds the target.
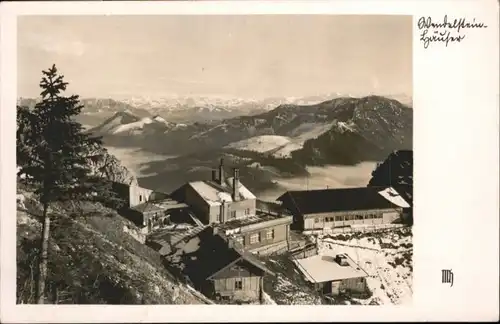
335,208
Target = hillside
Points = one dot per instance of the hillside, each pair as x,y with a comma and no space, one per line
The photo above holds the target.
92,260
261,144
282,146
124,124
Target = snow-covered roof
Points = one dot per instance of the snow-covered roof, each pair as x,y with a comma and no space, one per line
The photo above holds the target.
323,268
214,194
394,197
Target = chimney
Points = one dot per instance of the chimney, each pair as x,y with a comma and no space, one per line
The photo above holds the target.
221,171
341,260
236,184
214,175
222,211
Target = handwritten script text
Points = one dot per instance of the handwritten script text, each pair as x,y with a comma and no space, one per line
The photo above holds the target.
446,30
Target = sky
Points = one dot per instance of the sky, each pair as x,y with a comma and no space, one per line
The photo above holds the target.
235,56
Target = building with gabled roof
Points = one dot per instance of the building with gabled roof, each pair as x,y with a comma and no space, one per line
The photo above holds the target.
219,199
258,226
333,274
330,208
222,270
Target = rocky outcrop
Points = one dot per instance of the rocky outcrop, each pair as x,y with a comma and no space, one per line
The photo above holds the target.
107,166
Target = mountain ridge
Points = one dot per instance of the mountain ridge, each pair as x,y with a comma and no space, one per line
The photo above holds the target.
374,117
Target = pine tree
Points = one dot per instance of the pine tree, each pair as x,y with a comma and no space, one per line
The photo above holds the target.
55,155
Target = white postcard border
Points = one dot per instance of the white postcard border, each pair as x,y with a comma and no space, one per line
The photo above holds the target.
456,169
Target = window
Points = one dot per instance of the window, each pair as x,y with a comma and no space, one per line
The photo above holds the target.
239,240
233,213
359,217
254,238
339,218
140,198
270,234
247,211
316,220
238,284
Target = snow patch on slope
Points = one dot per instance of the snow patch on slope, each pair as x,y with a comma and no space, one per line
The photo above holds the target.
160,119
138,125
118,119
282,146
260,144
302,133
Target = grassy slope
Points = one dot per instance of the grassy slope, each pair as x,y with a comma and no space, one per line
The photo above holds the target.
92,261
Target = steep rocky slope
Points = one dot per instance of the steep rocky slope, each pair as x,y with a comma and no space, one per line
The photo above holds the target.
93,260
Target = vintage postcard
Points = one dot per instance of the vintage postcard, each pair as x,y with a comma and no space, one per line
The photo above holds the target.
250,161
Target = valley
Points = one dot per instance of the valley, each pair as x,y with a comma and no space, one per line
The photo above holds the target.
334,143
277,144
134,159
167,173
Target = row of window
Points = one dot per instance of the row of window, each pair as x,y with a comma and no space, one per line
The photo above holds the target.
256,237
346,218
232,214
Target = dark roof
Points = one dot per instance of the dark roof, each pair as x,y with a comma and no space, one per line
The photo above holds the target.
272,207
333,200
214,255
147,207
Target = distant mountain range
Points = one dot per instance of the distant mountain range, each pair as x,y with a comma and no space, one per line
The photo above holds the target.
190,109
264,143
343,130
383,123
